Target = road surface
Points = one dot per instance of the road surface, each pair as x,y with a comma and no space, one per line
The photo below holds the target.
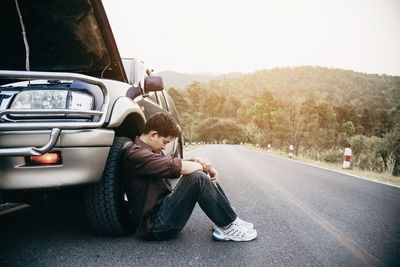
305,216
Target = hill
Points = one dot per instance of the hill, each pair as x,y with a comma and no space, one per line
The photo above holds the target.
317,110
336,86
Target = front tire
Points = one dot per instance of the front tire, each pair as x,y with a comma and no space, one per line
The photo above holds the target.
107,211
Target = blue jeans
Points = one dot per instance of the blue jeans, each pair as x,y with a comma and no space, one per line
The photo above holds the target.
177,207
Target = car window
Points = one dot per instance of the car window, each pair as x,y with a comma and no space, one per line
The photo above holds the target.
171,105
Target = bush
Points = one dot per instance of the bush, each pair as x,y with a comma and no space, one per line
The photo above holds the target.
218,130
373,153
368,153
332,156
310,153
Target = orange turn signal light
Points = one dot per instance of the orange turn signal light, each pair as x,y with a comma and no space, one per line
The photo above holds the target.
52,158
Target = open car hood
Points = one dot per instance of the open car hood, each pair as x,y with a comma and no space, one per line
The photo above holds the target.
63,35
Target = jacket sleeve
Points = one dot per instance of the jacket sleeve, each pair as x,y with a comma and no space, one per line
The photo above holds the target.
144,162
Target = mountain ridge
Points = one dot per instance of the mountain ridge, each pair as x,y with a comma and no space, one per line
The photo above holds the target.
180,80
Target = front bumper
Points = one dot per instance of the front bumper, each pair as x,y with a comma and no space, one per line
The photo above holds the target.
84,156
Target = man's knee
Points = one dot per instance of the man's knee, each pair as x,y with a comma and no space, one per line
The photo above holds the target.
197,177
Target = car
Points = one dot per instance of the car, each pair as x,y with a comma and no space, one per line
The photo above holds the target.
69,107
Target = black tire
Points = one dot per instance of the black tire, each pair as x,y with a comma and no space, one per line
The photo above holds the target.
106,208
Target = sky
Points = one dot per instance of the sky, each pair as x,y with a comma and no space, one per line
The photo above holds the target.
222,36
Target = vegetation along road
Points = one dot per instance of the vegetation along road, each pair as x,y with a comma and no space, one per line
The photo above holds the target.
304,216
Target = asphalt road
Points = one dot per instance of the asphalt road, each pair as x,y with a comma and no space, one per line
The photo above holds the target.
305,216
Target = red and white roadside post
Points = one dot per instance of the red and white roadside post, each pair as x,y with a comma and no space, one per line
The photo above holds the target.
269,147
347,158
291,151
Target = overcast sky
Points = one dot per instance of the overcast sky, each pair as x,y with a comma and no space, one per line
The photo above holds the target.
223,36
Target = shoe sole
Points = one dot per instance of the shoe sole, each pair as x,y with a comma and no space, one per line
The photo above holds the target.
219,239
226,240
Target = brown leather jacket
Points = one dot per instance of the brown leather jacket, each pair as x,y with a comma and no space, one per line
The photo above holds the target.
146,187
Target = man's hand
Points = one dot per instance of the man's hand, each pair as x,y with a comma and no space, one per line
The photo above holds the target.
213,175
207,168
204,162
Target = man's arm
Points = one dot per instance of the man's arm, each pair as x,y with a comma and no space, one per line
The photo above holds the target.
204,162
190,166
199,164
146,163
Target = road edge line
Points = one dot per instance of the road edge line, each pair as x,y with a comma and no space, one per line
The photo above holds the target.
327,169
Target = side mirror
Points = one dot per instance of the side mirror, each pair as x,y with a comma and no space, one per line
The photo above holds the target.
153,84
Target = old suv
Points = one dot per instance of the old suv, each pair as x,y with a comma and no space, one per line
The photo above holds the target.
69,106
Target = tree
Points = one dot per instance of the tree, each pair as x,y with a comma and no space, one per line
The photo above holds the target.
231,107
213,105
260,112
215,129
344,113
179,99
281,127
327,123
366,121
196,93
346,131
311,107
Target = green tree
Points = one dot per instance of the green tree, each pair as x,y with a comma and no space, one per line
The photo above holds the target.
297,117
327,123
213,105
348,128
179,99
311,107
231,107
281,125
219,130
345,113
195,94
260,113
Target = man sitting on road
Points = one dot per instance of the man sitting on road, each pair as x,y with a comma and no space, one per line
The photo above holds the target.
162,212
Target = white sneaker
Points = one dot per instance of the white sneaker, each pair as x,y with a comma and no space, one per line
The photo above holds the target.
247,225
235,232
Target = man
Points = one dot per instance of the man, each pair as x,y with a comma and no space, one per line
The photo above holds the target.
162,212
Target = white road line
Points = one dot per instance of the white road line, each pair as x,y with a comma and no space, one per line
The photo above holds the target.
350,244
346,241
327,169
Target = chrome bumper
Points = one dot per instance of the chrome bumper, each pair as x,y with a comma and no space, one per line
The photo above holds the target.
32,151
84,156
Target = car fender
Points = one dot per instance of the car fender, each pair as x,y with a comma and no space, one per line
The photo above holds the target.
123,107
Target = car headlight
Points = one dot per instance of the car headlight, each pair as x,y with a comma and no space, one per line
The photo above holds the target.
80,101
43,99
53,99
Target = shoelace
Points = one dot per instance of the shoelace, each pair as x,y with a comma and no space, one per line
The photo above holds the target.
235,230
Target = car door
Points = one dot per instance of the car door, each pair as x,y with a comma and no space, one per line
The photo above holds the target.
150,105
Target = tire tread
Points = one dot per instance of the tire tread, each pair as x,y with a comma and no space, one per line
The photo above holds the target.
104,201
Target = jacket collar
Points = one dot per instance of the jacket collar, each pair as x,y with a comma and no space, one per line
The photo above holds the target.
142,144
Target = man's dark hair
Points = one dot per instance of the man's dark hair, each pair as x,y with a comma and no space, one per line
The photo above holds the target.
164,124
